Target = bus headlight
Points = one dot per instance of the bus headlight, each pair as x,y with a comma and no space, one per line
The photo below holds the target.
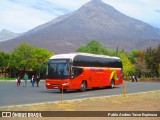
48,84
66,83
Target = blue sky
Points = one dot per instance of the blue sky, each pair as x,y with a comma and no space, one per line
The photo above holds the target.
23,15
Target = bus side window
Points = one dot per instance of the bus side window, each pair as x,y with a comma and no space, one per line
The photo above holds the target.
79,71
76,72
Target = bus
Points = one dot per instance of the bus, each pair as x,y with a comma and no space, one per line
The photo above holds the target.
82,71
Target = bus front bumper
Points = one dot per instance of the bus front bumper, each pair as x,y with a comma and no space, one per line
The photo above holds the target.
66,85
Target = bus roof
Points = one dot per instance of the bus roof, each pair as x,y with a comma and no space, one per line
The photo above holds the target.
73,55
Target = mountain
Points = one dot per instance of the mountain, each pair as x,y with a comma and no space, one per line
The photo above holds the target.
93,21
7,35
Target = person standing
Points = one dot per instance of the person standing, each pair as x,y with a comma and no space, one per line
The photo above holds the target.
18,81
37,80
33,80
133,78
25,79
136,78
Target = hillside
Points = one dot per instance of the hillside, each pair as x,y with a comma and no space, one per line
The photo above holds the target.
93,21
7,35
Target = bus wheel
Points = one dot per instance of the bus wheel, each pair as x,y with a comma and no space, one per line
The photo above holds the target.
112,84
64,90
83,86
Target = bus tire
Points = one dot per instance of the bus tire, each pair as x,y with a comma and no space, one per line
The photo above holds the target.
83,86
112,84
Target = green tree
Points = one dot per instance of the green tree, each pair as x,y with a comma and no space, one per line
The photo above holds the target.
4,61
27,57
23,56
128,68
133,55
40,55
11,65
157,60
152,65
93,47
159,68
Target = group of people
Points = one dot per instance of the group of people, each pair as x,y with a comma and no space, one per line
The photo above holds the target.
33,80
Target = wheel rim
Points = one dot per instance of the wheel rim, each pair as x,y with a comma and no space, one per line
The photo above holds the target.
112,84
83,86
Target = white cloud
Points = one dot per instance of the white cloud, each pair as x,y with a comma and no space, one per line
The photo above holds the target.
23,15
21,18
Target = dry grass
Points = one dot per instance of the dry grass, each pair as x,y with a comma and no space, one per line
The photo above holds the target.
94,104
136,102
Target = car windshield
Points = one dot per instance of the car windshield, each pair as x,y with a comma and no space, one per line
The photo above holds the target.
58,69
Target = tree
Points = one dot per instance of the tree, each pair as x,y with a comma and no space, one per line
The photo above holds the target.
128,68
157,60
4,61
133,55
137,58
152,62
159,68
28,57
23,56
12,65
93,47
141,67
41,55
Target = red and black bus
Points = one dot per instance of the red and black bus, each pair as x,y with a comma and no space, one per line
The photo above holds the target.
82,71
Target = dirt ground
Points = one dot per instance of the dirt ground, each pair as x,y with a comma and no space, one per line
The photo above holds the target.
136,102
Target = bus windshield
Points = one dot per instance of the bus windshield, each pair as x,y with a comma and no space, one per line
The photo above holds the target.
58,69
